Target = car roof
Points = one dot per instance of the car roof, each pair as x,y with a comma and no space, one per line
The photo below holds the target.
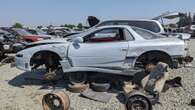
146,20
149,20
113,26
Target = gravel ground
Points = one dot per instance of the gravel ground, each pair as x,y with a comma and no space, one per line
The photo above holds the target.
17,93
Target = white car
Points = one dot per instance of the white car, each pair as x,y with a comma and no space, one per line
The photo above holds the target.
119,49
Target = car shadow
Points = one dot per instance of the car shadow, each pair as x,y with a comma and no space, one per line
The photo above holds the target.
36,78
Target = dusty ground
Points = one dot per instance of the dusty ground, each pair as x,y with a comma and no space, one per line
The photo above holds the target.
17,93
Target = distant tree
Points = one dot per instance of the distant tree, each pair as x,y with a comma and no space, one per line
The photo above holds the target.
17,25
71,26
80,26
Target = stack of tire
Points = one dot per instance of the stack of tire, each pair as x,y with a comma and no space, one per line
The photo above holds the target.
100,85
78,83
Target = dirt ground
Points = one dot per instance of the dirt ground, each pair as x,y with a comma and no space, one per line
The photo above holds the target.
20,93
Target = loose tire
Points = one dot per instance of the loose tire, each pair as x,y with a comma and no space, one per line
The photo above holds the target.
77,88
101,85
77,78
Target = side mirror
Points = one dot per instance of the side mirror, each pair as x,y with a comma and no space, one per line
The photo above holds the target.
78,40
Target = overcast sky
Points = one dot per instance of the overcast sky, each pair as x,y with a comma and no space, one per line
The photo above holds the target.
56,12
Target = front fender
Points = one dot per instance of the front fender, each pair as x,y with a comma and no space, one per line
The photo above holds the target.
59,49
23,57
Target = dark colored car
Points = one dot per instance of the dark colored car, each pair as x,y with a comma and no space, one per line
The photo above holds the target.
10,43
28,37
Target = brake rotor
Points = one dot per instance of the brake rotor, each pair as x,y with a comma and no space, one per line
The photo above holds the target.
138,102
56,101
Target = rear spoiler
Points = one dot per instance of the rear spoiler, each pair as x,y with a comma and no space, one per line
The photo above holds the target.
182,36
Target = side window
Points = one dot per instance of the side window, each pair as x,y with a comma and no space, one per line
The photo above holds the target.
106,35
128,35
145,34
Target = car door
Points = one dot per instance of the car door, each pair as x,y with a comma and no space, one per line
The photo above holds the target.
105,48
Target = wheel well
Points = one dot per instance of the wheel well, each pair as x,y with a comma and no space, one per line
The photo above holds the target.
45,57
154,57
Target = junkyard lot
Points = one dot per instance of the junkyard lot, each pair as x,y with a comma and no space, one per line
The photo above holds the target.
17,93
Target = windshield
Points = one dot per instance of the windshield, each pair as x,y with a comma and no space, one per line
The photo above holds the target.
147,34
22,32
82,34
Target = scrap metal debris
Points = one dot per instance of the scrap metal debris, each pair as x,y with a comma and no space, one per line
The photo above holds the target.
56,101
97,96
143,97
172,83
8,59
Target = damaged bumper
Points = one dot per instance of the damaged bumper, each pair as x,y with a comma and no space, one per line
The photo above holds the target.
22,63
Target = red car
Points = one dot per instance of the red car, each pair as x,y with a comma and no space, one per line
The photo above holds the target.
28,37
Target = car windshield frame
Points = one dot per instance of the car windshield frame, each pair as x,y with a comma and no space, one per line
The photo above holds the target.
82,34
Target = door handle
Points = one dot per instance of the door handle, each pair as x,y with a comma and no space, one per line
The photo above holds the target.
124,49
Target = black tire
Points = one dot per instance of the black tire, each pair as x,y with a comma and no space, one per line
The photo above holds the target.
77,88
138,102
77,77
101,85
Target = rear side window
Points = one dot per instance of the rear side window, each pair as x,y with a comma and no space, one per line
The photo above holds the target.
146,34
148,25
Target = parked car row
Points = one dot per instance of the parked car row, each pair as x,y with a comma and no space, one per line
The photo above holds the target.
60,32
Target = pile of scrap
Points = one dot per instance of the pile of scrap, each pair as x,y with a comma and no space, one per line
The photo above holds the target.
143,96
137,96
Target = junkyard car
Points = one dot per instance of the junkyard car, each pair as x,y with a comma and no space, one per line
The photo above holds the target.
26,36
10,43
119,49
